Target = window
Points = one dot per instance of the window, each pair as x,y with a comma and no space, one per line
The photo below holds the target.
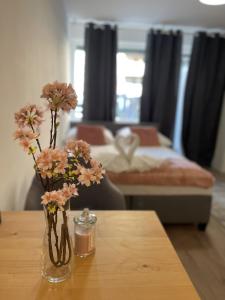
130,71
78,75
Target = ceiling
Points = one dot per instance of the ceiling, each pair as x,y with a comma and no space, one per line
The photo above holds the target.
168,12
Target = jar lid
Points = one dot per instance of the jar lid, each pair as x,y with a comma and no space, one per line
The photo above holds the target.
85,217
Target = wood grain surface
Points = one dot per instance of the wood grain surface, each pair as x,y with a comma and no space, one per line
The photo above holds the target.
134,260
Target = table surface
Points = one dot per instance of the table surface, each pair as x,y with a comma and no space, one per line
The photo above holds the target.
134,260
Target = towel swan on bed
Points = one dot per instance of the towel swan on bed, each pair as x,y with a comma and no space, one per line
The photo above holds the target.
121,157
126,146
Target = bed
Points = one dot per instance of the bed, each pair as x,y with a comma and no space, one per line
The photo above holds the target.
179,191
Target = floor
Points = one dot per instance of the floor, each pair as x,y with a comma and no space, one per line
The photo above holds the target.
203,253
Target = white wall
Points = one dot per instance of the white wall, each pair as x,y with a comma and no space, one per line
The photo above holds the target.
33,52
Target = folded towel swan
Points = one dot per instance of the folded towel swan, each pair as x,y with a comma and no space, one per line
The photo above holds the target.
121,157
127,146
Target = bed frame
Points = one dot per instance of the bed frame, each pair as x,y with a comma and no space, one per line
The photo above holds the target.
175,209
171,209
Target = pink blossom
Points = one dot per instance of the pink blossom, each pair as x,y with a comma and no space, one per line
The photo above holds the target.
29,115
78,148
51,162
25,137
60,96
86,176
55,197
97,170
26,144
69,190
25,133
61,196
94,163
74,163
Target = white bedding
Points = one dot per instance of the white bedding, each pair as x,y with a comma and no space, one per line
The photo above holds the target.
158,152
162,154
144,159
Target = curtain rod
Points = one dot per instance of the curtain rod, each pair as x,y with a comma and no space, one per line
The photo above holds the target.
121,25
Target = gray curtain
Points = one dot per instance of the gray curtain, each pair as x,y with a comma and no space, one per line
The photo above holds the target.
161,78
203,97
100,72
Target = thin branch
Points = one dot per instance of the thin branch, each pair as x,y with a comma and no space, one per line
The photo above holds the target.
42,182
65,244
37,140
67,239
56,235
51,131
50,250
55,129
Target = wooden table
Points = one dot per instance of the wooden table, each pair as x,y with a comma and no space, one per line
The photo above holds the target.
134,260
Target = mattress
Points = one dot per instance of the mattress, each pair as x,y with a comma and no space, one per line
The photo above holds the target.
177,175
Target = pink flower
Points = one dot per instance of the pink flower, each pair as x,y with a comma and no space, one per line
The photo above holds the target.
25,137
61,196
97,170
29,115
51,162
60,96
86,176
69,190
25,133
78,149
26,144
55,197
94,163
44,160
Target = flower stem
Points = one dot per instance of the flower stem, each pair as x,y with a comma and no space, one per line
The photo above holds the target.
61,249
42,182
55,129
37,140
51,131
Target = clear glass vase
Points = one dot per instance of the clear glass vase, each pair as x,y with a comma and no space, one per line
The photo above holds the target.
57,246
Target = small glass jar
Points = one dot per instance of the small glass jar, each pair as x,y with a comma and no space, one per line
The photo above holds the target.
84,233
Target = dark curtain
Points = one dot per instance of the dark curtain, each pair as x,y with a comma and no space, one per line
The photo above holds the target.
161,78
203,97
100,72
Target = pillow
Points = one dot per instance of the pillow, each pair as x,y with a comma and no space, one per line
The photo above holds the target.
164,141
148,135
108,136
92,134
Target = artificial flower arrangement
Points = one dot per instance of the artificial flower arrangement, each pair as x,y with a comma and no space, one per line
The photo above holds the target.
71,166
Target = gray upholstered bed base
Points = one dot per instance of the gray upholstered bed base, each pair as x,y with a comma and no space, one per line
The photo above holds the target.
175,209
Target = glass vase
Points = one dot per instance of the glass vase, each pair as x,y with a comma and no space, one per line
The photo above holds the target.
57,246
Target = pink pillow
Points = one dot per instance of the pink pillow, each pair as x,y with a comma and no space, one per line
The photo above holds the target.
148,135
91,134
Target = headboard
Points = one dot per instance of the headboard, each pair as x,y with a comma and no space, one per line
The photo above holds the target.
112,125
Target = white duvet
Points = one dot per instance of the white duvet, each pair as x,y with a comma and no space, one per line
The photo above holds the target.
144,158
